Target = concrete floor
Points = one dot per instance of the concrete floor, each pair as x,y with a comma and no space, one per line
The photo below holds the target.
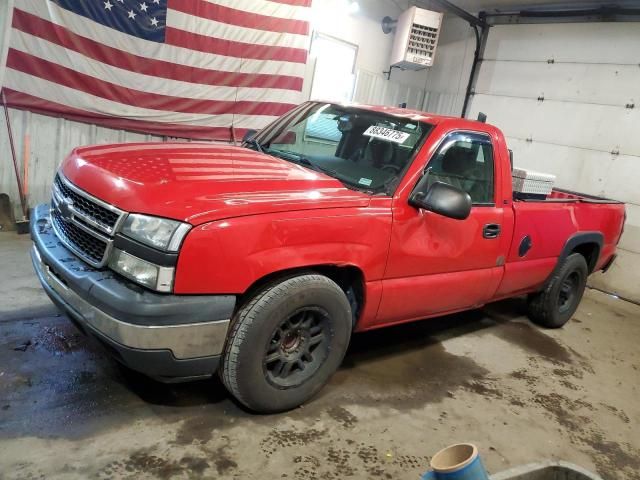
520,393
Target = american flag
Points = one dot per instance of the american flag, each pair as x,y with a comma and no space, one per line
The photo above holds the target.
182,68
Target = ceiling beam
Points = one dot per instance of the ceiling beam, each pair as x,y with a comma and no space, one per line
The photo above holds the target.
606,13
451,8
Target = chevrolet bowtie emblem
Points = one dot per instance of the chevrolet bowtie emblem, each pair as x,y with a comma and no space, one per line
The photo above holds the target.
66,209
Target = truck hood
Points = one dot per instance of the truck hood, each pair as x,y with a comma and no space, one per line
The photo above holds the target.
199,183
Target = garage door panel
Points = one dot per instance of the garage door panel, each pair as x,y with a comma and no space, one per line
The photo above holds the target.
574,42
631,238
622,179
562,162
597,127
600,84
582,131
622,277
581,170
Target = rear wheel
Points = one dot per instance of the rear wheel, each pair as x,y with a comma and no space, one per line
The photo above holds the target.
557,303
286,342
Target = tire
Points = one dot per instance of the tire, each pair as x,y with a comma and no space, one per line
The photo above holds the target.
286,342
556,304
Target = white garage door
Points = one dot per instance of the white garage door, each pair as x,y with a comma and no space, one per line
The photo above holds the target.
568,98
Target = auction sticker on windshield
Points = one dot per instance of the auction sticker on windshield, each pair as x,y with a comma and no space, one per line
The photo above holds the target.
386,134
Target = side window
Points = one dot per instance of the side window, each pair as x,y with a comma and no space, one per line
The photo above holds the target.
465,160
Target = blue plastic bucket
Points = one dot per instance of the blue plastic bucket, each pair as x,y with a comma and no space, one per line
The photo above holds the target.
457,462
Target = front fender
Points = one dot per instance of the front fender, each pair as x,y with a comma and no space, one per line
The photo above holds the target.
228,256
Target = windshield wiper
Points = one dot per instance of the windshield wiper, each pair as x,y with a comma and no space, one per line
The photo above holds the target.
295,158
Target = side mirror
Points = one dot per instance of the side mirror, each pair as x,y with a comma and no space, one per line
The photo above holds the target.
249,134
442,199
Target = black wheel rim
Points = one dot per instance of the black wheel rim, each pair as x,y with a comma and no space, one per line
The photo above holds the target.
298,347
568,292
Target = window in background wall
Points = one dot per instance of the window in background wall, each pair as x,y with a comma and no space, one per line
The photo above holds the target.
334,75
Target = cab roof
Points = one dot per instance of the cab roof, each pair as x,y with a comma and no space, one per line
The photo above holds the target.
410,114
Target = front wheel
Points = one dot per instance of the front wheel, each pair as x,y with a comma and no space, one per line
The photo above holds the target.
556,304
286,342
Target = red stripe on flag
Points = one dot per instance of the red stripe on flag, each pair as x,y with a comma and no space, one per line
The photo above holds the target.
203,43
36,26
53,72
296,3
220,13
35,104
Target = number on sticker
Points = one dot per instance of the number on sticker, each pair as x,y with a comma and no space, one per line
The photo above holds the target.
386,134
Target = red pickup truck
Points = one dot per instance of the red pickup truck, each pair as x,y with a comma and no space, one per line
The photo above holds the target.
258,262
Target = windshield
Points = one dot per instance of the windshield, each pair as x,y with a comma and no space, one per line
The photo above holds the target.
363,149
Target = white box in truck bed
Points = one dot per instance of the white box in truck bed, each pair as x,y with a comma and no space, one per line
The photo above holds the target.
528,182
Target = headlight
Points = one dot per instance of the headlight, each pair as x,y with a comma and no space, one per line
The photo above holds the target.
142,272
156,232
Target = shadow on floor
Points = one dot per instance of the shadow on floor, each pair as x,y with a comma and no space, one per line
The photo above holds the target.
64,382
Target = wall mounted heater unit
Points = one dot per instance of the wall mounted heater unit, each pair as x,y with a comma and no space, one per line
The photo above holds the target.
417,32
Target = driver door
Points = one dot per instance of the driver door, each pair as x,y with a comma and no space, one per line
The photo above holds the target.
437,264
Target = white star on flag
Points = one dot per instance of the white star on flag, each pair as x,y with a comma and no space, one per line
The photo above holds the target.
108,5
154,22
132,14
157,2
143,7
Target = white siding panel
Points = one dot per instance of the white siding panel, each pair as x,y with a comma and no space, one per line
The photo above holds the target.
375,89
567,42
443,103
603,84
596,127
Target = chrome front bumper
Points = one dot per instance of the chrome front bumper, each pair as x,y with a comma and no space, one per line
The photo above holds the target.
127,317
184,341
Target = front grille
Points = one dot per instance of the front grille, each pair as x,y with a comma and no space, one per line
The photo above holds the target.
85,206
85,224
83,243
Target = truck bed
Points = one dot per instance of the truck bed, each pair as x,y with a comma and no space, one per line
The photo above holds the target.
549,225
559,195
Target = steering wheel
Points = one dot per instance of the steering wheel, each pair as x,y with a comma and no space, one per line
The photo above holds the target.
391,168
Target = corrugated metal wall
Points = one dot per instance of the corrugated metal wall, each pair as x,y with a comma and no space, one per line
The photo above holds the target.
373,88
447,80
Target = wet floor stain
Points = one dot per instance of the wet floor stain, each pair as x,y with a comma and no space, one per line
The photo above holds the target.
59,340
203,425
533,340
343,417
406,366
79,392
145,463
402,367
224,462
284,438
355,459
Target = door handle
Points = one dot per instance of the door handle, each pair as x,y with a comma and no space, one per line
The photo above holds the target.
491,230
